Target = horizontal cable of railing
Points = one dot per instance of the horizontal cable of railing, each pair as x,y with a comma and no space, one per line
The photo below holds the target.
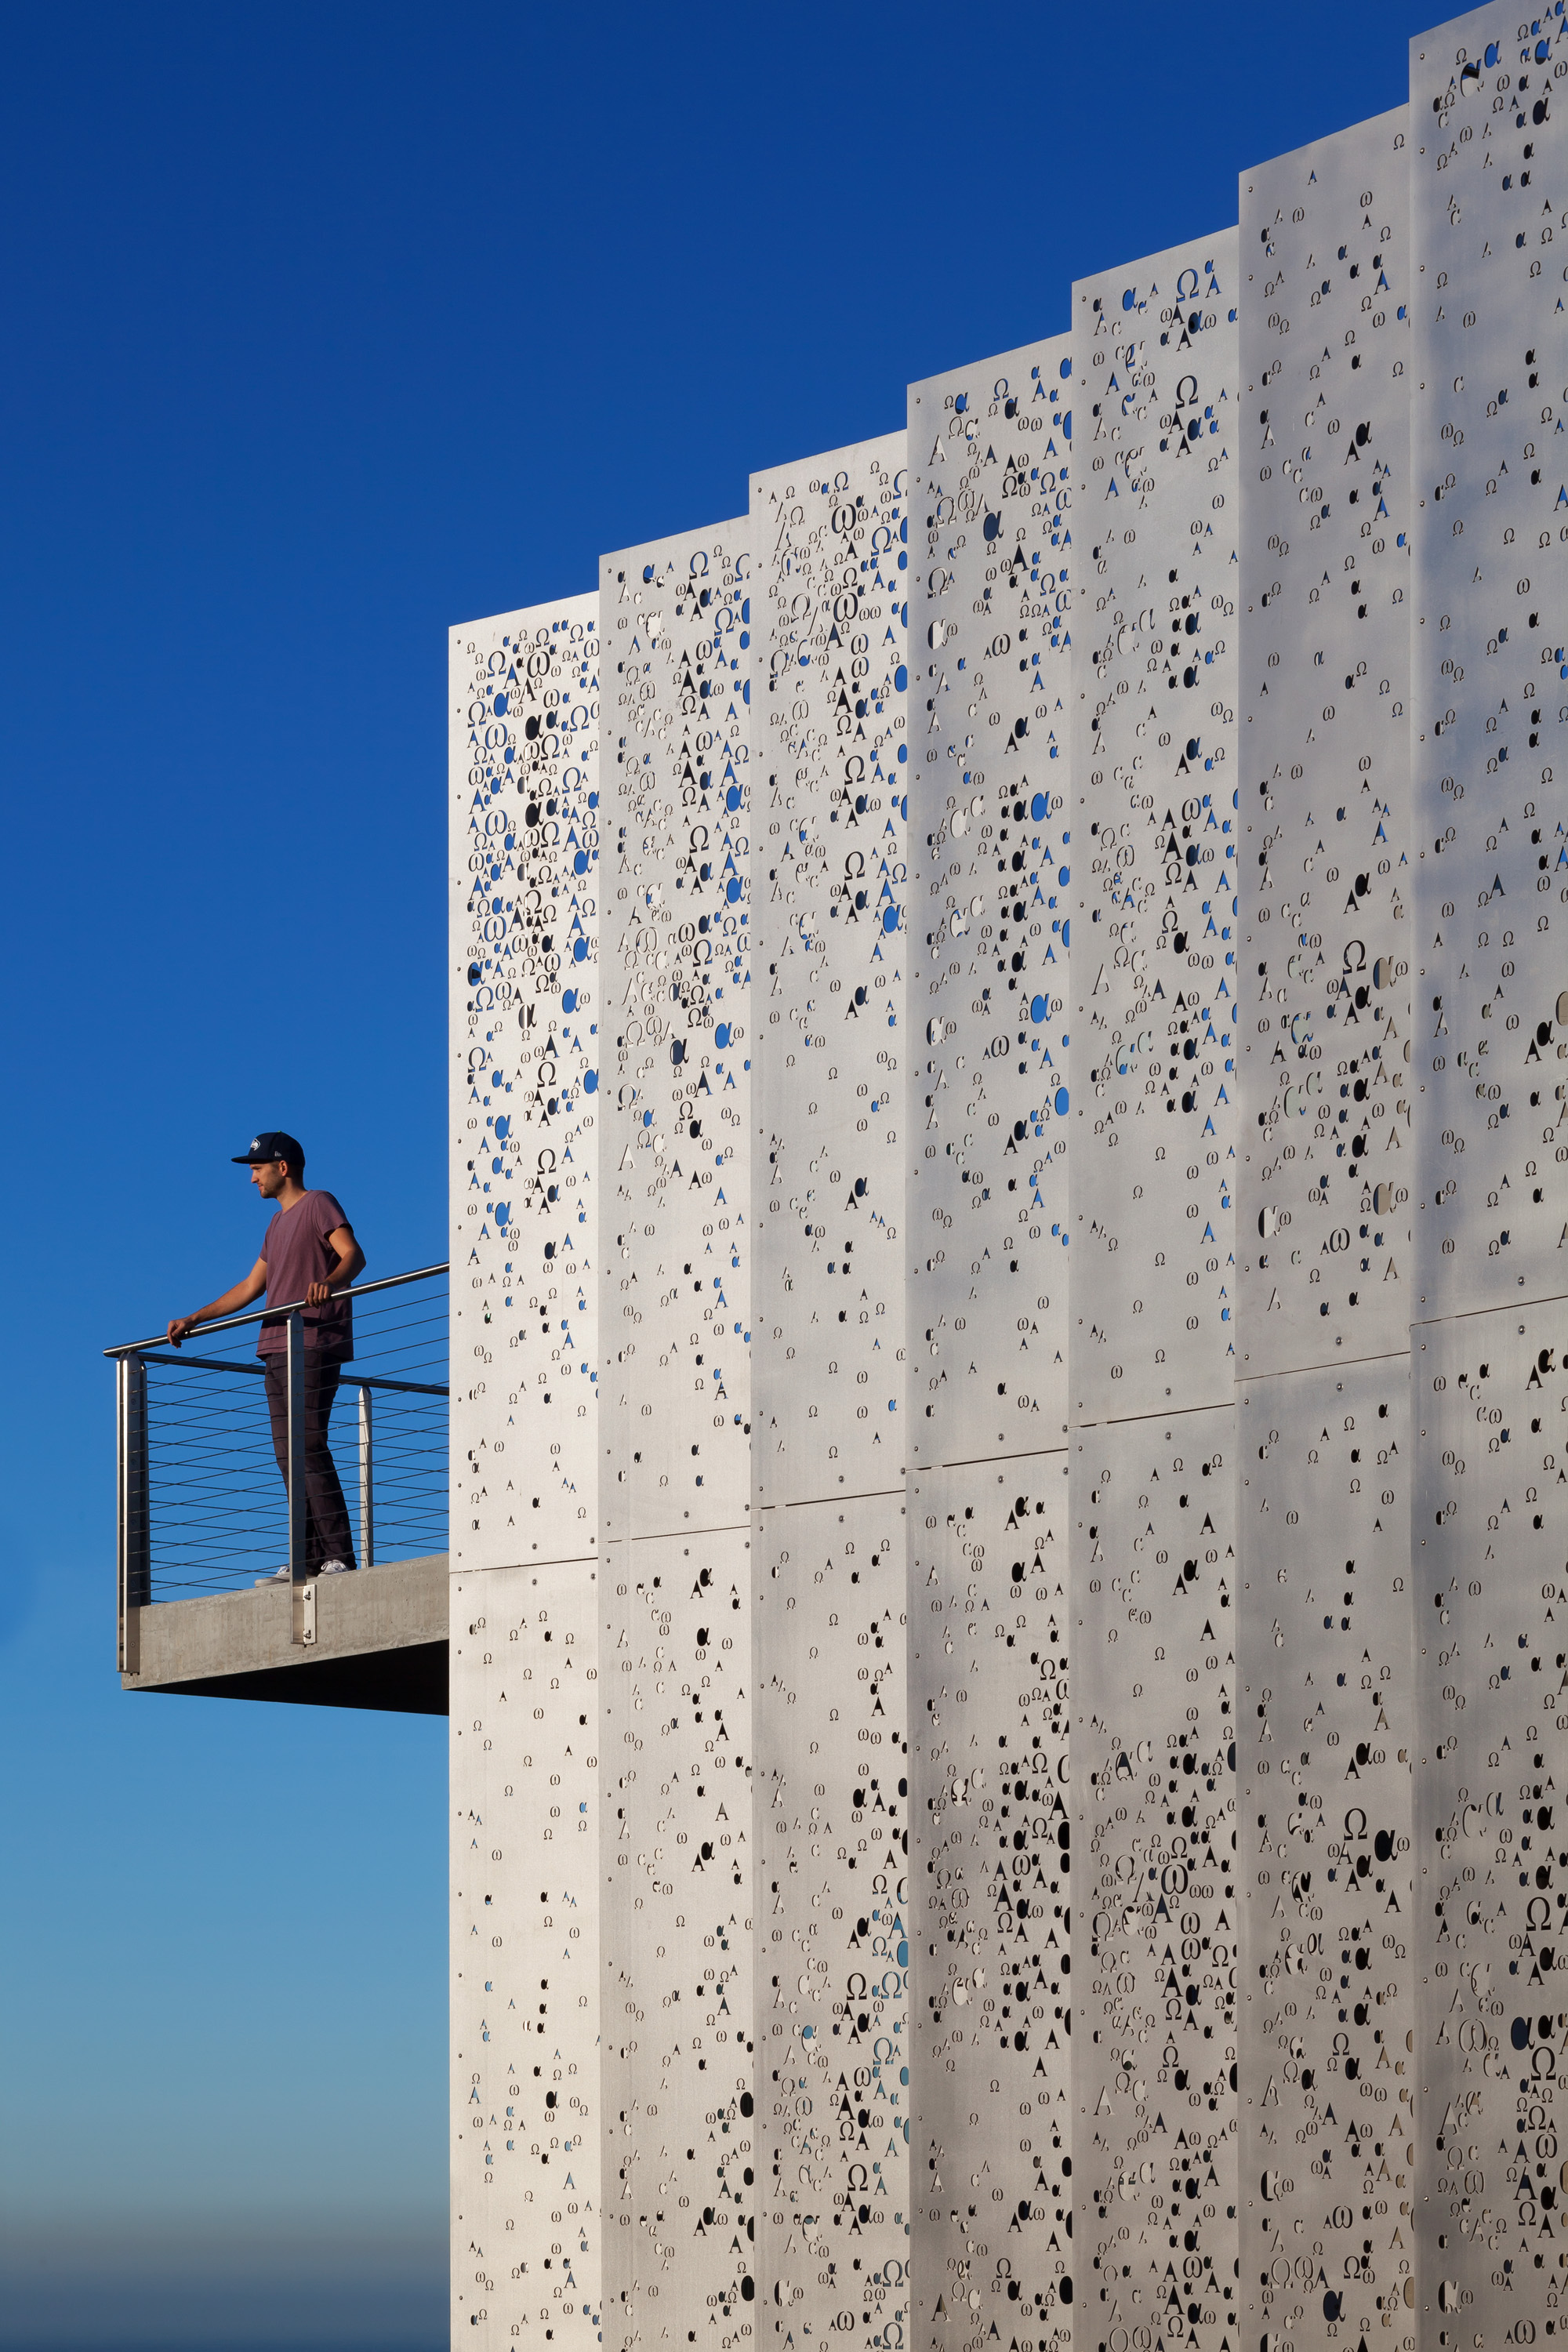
222,1364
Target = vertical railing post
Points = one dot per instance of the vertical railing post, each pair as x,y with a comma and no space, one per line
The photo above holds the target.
122,1512
300,1595
134,1513
366,1481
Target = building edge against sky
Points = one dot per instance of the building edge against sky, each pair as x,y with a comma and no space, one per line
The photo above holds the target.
1144,1345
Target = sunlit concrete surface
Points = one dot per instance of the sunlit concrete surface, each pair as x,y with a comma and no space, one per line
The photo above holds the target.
381,1642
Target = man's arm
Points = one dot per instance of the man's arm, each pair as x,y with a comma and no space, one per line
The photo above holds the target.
350,1261
231,1303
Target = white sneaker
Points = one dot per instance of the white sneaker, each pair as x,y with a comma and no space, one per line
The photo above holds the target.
336,1568
278,1576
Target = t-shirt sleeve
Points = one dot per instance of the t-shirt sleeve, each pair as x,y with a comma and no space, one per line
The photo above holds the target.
329,1214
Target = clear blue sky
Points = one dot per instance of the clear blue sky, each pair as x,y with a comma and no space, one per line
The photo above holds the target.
323,327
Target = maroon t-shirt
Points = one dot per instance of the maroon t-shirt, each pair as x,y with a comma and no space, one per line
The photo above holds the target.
297,1254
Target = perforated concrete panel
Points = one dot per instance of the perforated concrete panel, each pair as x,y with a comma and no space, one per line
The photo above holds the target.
678,1950
1325,1741
830,900
992,1898
676,978
1327,890
991,633
524,853
832,1814
1152,1182
830,905
1152,1168
1488,698
675,1211
1153,1754
527,2252
527,2116
1490,1399
990,450
1327,1701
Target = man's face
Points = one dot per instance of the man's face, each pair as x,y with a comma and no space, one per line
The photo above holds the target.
269,1176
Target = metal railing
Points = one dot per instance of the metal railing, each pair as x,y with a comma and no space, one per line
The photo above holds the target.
200,1505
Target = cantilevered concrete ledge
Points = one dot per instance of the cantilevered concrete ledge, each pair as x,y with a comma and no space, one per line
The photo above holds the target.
381,1642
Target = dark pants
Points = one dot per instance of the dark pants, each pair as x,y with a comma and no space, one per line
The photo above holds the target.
327,1535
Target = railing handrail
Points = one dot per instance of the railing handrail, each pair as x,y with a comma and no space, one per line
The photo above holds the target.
265,1314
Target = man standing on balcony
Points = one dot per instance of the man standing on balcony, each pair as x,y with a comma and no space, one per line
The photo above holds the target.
308,1252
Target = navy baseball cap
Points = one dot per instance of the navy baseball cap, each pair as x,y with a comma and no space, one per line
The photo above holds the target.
271,1144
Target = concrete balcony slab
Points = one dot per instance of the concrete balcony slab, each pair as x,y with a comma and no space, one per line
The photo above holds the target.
381,1642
